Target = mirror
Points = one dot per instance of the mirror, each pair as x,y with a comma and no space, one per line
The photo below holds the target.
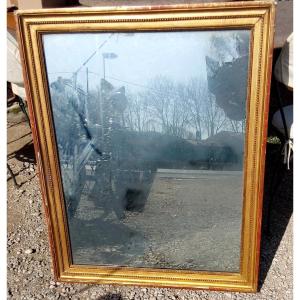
150,131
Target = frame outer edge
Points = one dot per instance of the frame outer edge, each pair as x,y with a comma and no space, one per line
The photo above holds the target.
269,16
150,8
267,91
21,31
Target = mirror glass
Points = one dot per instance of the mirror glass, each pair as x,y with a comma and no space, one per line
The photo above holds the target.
150,130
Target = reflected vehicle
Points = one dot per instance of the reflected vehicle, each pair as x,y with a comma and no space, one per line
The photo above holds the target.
152,171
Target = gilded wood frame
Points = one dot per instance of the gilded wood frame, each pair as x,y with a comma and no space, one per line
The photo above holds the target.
258,16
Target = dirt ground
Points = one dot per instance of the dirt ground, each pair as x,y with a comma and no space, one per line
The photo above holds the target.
29,261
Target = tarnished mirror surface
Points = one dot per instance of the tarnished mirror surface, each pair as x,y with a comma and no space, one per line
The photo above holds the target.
150,130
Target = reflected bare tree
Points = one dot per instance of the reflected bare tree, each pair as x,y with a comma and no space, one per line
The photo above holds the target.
197,94
138,116
214,117
168,103
182,110
237,126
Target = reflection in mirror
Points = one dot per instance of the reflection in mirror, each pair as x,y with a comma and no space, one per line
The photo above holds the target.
150,133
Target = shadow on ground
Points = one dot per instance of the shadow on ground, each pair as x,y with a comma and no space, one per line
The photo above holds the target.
111,296
108,296
25,154
280,210
20,160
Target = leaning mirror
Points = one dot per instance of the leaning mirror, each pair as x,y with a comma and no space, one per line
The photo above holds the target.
149,129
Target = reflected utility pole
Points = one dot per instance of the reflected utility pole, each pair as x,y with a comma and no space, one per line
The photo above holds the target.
101,110
87,94
107,55
75,80
103,61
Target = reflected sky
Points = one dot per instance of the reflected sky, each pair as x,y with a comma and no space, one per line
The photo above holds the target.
176,56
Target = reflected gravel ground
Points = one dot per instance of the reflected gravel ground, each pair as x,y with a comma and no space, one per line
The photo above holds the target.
180,227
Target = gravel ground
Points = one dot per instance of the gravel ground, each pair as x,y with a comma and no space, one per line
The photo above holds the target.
29,262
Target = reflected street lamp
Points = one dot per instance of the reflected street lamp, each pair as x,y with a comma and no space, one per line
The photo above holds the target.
107,55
